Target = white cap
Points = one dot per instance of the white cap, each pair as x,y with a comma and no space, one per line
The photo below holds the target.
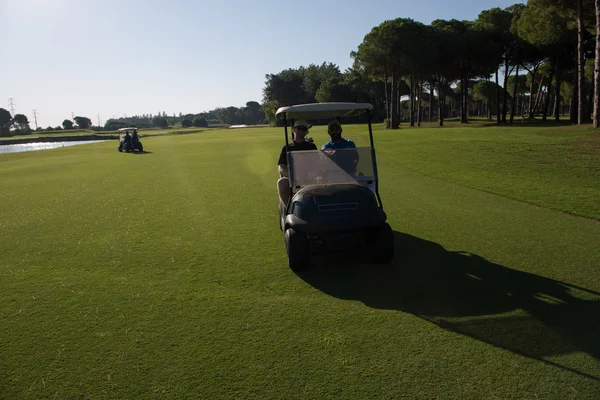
302,122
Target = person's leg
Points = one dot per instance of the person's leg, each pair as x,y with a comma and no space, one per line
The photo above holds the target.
283,188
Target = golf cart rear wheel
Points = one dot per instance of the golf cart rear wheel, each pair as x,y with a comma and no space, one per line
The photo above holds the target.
298,249
383,244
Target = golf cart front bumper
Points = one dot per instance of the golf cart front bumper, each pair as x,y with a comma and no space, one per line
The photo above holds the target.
331,227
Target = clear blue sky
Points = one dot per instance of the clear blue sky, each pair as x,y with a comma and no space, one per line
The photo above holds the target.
116,57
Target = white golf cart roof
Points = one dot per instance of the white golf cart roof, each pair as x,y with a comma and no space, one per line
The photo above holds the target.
324,110
127,129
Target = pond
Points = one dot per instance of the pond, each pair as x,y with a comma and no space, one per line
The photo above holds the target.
19,148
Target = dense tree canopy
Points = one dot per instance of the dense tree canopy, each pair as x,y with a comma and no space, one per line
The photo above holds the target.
406,68
83,122
21,122
160,122
67,124
5,122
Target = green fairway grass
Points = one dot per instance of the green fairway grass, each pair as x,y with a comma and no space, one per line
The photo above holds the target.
163,274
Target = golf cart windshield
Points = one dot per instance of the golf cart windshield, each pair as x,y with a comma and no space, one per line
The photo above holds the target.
316,167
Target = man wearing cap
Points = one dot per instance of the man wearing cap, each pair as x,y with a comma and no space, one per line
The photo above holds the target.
299,130
334,128
347,159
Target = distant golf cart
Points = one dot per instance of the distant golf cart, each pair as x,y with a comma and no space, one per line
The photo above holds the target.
129,140
334,203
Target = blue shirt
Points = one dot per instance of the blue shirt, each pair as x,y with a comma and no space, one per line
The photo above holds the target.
344,144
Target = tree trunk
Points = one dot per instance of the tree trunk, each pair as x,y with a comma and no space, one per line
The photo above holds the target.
547,99
574,100
464,101
441,101
398,101
489,104
538,96
531,87
597,69
411,109
420,105
589,102
514,99
497,99
558,85
462,111
387,100
418,99
394,116
431,100
505,99
580,64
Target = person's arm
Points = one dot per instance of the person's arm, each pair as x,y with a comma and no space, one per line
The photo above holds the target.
282,167
283,171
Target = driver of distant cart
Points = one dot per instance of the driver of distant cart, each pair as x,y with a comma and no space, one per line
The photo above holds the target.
299,131
127,138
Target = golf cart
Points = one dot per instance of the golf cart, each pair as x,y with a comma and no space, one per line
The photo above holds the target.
333,202
129,140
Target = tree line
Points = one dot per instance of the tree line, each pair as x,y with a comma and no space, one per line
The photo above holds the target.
523,60
19,124
251,114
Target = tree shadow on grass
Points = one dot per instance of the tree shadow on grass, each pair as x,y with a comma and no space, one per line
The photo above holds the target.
466,294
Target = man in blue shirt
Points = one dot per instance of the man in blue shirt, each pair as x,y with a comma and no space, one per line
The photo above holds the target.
334,128
347,160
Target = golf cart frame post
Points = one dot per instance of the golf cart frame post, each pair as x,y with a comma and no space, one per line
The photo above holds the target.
344,109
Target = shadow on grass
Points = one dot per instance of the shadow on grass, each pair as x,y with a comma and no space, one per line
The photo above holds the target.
467,294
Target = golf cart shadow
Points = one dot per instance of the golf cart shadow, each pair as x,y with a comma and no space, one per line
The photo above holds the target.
141,152
469,295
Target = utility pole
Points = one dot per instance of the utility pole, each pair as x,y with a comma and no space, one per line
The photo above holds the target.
11,105
72,115
35,118
98,119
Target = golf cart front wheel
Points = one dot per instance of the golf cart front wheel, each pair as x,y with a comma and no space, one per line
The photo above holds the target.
383,246
298,249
